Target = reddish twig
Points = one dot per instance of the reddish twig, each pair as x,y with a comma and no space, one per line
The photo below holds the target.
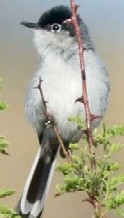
84,99
48,119
97,206
42,97
65,152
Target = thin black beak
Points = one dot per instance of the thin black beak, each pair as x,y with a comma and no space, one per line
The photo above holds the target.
30,25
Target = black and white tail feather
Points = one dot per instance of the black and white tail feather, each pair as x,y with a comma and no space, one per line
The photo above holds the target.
37,185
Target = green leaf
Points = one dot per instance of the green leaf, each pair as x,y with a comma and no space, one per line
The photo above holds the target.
3,105
74,146
116,147
3,146
6,192
115,200
6,212
116,181
78,121
116,130
115,166
73,183
65,168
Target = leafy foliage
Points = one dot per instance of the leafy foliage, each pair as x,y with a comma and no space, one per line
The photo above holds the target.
105,183
3,145
5,212
3,142
6,192
3,104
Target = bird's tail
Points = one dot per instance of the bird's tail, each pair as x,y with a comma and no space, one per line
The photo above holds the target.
37,186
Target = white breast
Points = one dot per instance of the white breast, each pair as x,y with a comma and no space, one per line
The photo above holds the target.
62,86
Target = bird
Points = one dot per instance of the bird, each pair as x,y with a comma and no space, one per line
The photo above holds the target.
59,71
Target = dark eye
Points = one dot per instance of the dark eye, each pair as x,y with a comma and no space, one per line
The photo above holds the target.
55,27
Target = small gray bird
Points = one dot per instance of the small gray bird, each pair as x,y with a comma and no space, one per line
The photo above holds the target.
60,72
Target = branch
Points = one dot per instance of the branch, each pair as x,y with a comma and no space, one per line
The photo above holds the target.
42,97
84,98
53,124
65,152
97,206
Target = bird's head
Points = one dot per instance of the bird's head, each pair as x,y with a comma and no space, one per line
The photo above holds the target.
52,32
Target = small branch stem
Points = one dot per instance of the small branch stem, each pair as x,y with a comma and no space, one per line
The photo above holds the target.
98,210
96,205
39,87
65,152
84,86
84,99
48,116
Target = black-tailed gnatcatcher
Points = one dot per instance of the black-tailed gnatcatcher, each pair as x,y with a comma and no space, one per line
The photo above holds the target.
62,85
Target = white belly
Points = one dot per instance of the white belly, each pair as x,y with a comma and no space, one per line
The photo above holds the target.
61,87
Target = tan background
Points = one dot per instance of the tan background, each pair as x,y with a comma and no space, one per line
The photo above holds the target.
18,60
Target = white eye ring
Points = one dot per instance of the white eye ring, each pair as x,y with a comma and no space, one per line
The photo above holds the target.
55,27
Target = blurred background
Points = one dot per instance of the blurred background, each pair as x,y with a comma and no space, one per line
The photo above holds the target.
18,60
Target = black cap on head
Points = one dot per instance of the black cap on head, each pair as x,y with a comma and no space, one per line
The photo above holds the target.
57,14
